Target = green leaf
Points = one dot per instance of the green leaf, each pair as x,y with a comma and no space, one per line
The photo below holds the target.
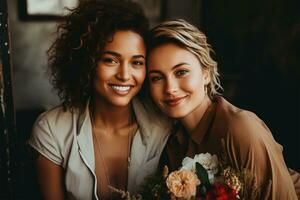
202,174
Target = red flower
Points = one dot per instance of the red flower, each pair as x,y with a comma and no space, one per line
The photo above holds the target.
220,192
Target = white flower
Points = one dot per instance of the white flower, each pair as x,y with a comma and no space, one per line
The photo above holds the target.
208,161
189,164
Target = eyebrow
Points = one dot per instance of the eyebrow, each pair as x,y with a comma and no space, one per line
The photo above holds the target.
179,64
174,67
139,56
112,53
119,55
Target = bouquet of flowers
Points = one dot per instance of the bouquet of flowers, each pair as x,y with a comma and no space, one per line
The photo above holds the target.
196,179
203,177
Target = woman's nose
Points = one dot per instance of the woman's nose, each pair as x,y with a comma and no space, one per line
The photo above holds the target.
123,72
171,87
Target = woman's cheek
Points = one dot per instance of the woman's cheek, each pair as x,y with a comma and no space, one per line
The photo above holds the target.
156,92
194,81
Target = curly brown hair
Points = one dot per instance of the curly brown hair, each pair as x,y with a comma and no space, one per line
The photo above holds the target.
73,56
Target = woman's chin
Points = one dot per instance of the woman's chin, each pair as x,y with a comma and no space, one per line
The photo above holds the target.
175,113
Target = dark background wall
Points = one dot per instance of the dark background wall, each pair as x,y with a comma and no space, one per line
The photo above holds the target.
259,42
257,47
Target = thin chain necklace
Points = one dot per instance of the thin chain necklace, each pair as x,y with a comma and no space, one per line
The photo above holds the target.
100,150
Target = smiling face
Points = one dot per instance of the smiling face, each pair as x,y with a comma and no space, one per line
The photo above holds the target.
177,80
121,69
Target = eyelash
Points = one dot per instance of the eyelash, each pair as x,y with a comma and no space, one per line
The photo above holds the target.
181,72
109,61
137,62
112,61
155,78
178,73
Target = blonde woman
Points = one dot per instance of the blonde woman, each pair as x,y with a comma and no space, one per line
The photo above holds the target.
184,84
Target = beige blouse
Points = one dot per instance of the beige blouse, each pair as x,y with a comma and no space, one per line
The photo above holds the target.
65,138
248,144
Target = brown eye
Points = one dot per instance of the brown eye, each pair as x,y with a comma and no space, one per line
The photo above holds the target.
137,62
110,61
155,78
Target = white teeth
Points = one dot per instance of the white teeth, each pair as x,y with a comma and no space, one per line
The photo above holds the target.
120,88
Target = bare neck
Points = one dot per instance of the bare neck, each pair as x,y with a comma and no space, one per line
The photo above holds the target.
191,120
110,117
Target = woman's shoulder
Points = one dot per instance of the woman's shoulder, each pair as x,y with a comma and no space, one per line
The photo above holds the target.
57,122
56,116
243,127
155,127
52,134
236,117
150,117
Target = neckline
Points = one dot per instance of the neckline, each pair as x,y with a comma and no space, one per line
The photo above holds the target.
100,151
199,132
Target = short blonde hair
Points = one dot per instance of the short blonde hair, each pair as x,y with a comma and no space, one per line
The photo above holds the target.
192,39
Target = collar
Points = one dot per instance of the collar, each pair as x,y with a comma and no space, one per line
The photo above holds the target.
149,119
84,120
201,129
85,136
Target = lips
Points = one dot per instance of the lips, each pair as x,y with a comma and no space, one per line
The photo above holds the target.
172,102
121,89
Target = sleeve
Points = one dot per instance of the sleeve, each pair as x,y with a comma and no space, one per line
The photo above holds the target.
296,180
250,145
44,142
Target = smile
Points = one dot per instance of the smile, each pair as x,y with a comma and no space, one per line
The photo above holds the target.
121,89
172,102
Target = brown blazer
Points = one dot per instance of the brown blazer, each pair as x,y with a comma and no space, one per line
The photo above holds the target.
248,144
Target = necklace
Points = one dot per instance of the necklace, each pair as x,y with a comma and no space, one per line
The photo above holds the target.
100,151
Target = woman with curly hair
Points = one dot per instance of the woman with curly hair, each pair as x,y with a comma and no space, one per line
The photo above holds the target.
103,134
184,84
